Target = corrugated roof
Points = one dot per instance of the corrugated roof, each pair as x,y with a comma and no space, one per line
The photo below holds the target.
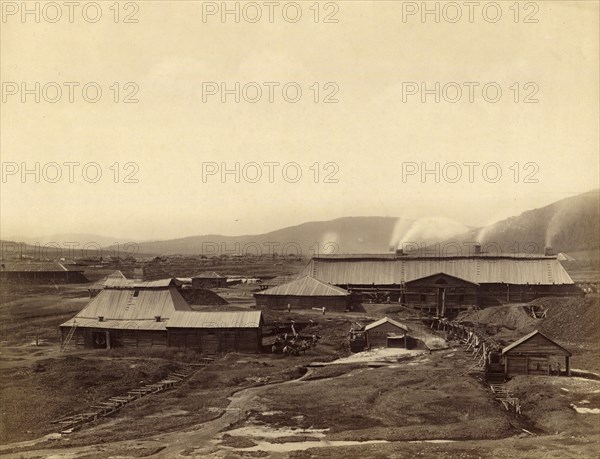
481,270
142,324
386,320
207,275
305,286
51,266
278,281
431,255
225,319
133,284
528,337
122,305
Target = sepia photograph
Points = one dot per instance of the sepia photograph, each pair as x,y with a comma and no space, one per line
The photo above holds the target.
299,229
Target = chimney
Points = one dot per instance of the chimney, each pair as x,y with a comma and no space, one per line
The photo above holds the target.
548,251
100,318
477,249
157,318
399,252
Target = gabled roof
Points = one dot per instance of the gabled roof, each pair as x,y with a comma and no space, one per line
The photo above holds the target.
278,281
305,286
445,275
386,320
137,284
226,319
37,266
528,337
130,308
207,275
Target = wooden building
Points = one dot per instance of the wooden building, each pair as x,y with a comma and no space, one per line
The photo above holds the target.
216,332
275,282
386,332
534,354
126,313
129,313
439,293
209,279
445,285
304,293
40,273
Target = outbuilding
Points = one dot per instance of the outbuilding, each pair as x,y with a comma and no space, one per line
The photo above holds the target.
40,273
534,354
304,293
209,279
387,332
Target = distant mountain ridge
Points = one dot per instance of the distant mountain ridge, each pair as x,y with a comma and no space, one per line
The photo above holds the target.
569,225
342,235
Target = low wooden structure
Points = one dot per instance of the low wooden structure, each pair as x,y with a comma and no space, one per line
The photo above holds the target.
386,332
217,332
532,355
128,313
209,279
304,293
40,273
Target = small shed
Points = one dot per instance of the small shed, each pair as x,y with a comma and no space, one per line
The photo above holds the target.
304,293
387,332
532,355
209,279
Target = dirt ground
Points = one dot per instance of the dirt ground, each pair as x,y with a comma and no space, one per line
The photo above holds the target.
426,404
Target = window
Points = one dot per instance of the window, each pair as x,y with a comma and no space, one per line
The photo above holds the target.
136,293
422,298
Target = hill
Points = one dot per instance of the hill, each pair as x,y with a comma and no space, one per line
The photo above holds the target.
570,225
342,235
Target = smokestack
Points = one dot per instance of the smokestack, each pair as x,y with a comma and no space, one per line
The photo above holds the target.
548,251
477,249
399,252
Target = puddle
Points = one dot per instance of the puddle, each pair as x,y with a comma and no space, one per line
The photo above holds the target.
302,445
168,413
52,436
581,410
271,413
268,432
432,441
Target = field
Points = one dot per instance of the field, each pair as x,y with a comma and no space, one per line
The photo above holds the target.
409,404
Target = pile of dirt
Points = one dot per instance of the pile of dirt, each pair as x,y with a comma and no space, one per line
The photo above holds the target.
512,317
201,297
572,320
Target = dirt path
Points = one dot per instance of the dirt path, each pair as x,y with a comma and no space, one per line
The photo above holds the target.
174,443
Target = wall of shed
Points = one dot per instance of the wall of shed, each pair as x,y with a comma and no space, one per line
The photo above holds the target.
84,337
277,302
377,337
532,357
217,340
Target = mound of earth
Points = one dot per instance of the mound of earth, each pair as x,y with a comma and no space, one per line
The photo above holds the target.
571,320
512,317
201,297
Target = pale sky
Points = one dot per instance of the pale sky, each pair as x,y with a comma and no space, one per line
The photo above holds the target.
370,55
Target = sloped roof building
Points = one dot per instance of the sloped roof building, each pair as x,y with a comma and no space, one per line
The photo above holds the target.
129,313
305,292
445,284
